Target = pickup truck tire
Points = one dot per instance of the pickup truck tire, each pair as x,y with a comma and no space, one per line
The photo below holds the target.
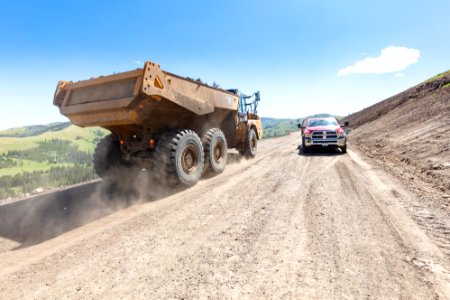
305,149
108,162
179,157
344,149
251,144
215,147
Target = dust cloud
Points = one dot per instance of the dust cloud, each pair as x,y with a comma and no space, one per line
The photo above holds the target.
39,218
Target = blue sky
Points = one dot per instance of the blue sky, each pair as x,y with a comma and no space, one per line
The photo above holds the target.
304,57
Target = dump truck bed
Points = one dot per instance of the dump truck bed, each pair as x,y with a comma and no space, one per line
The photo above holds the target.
147,97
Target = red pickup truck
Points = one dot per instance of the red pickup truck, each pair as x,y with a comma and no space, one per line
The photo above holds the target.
321,133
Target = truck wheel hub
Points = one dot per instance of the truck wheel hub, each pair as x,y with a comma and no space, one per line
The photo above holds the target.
189,159
218,151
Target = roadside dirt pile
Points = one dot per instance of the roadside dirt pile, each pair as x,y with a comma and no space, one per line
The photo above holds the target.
409,134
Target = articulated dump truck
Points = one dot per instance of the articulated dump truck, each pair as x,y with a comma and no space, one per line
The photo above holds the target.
170,126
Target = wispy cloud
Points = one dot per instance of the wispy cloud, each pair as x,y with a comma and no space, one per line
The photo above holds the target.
138,62
399,74
392,59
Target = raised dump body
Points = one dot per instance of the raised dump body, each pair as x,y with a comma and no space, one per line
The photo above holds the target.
150,111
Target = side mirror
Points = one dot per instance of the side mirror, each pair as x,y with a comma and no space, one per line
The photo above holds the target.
257,96
346,123
299,126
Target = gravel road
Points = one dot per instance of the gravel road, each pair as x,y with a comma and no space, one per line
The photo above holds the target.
281,226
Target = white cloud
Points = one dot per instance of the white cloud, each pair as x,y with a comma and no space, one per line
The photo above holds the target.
138,62
399,74
392,59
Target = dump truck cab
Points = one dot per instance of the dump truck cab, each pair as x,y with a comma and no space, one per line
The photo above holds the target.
247,119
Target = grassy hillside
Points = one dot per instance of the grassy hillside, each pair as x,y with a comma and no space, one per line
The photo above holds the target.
278,127
45,156
84,138
33,130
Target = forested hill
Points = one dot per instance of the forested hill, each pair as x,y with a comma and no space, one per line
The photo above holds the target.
273,127
45,156
34,130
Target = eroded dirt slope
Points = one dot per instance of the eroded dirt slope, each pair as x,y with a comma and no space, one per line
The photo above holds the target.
282,226
409,135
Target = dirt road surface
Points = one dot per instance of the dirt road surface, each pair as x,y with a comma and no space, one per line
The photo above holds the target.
281,226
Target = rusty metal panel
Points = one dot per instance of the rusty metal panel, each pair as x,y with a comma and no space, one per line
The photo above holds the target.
157,83
107,118
105,92
148,96
201,92
95,107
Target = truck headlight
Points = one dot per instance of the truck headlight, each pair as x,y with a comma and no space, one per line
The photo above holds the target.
340,134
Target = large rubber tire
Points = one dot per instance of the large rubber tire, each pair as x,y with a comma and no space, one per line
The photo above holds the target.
344,149
179,157
107,157
251,144
215,146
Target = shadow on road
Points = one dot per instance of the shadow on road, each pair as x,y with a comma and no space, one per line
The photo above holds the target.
325,151
36,219
39,218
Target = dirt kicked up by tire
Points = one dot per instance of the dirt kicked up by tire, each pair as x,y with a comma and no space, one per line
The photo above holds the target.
108,161
107,157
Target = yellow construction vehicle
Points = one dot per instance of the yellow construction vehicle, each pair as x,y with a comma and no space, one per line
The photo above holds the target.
169,125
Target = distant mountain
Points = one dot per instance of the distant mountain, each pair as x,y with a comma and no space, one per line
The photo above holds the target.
33,130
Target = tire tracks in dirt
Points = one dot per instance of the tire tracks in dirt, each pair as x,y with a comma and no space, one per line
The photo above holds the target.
283,225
